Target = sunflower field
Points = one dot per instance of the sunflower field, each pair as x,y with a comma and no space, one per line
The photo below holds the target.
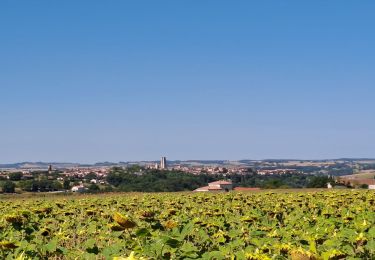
233,225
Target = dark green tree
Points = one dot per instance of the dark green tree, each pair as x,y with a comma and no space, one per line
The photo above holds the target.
66,184
15,176
90,176
319,182
8,187
93,188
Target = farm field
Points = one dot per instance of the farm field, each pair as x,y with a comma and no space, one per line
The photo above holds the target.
365,174
262,225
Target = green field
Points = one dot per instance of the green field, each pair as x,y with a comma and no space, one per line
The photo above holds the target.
263,225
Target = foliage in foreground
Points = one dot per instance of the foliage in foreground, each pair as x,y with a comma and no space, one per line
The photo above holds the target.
316,225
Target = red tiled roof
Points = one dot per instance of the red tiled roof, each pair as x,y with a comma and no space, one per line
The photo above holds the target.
214,188
202,188
208,188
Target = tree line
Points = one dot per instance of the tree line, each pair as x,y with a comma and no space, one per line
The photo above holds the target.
152,180
139,179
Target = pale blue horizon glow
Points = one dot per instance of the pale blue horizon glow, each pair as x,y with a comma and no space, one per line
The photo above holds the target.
88,81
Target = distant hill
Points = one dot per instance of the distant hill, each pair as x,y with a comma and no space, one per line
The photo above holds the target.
37,165
244,162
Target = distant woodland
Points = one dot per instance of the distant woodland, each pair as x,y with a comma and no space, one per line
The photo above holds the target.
132,179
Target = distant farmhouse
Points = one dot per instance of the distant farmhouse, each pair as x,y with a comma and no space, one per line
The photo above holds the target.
217,186
223,186
356,182
79,188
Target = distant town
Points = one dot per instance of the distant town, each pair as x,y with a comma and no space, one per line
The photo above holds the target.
74,177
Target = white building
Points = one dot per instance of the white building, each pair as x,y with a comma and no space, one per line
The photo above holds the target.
217,186
79,188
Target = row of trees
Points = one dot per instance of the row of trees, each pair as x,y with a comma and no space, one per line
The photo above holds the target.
160,180
156,180
150,180
9,186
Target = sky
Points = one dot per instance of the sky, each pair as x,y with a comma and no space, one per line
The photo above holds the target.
88,81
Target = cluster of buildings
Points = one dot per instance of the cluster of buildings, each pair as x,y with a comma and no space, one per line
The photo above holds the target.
79,172
199,169
276,171
211,169
162,165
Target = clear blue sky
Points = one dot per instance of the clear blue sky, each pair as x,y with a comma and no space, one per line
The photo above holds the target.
88,81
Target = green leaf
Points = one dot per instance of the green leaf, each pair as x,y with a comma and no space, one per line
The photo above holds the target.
143,232
214,255
174,243
51,246
312,246
370,246
186,230
89,243
188,247
371,232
